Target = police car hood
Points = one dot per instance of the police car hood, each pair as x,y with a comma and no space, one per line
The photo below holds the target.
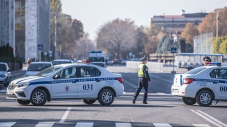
26,79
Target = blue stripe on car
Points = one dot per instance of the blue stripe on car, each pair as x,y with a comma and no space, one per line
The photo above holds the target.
71,80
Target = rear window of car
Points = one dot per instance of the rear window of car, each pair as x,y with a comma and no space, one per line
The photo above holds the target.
38,67
196,70
2,67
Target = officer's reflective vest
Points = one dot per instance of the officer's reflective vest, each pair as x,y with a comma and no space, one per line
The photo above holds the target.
140,71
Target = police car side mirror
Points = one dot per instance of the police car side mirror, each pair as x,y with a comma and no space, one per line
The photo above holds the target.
56,76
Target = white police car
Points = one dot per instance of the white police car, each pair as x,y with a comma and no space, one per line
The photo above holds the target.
66,81
202,85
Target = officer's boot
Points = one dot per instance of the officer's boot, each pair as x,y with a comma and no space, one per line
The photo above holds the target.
134,101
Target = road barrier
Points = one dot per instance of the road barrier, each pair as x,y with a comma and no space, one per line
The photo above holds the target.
155,66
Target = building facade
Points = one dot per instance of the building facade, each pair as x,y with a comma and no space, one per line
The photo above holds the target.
7,25
176,23
20,28
37,27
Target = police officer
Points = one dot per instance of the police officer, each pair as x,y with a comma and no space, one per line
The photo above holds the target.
143,80
206,60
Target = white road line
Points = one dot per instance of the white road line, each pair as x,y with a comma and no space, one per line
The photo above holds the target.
162,125
201,125
84,124
207,119
212,118
2,91
123,124
161,78
163,94
64,117
45,124
134,86
7,124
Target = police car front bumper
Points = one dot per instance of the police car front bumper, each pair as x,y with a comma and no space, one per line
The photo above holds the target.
21,93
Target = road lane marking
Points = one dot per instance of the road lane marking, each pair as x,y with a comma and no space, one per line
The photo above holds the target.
123,124
45,124
129,83
212,118
7,124
162,125
84,124
163,94
207,119
160,78
201,125
64,117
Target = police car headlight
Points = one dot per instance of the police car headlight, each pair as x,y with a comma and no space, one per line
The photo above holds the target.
23,84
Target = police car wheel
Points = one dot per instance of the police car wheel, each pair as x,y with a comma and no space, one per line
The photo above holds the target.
188,100
106,97
89,101
23,102
204,98
38,97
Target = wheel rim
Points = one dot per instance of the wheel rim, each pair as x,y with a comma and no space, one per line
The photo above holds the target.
107,97
38,97
205,98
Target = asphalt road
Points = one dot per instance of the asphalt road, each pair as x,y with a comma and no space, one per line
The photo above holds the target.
162,110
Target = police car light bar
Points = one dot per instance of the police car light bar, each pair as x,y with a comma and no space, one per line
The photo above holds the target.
86,61
214,64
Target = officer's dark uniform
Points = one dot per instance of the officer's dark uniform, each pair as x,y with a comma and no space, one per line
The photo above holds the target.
143,78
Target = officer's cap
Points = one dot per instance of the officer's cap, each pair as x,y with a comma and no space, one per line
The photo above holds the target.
144,58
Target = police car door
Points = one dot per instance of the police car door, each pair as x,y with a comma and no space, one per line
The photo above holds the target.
89,82
65,86
219,82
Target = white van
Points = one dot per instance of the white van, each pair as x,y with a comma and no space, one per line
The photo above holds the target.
97,58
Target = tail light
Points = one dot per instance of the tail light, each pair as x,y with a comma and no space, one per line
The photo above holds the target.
187,81
120,80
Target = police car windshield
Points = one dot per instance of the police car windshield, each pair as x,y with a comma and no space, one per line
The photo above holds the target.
48,71
2,67
196,70
96,59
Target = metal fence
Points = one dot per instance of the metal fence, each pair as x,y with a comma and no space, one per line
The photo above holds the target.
203,43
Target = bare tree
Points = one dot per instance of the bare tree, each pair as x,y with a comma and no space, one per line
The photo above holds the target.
117,37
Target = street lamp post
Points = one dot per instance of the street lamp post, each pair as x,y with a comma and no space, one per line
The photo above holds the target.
55,38
217,25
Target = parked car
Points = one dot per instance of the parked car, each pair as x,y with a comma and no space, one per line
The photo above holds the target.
118,61
5,74
109,62
35,67
61,61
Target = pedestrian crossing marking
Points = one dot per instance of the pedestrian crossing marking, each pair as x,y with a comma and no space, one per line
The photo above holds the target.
123,125
7,124
162,125
45,124
84,124
91,124
201,125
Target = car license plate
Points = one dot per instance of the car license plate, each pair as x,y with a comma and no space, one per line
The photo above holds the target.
175,91
9,91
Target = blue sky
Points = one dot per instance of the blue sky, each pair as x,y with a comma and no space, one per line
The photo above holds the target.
95,13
